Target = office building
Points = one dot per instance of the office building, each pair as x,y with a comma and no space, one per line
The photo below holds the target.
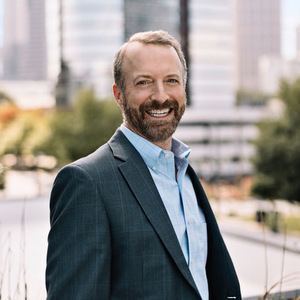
86,34
257,25
24,45
211,72
298,40
151,15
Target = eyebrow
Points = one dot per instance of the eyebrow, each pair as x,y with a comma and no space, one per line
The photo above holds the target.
173,75
149,76
143,76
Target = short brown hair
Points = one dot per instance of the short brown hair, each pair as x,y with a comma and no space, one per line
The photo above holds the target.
159,37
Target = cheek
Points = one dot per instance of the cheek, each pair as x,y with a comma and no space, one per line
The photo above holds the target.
136,98
180,96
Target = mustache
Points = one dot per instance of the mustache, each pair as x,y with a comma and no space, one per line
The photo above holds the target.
158,105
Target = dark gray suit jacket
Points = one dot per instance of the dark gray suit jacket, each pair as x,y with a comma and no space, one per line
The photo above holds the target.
111,237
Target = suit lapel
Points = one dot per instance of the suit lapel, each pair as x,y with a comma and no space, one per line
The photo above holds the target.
140,181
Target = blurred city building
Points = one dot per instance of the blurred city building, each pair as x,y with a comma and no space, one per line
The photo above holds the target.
24,47
257,32
298,40
226,40
29,94
151,15
221,140
211,72
1,63
273,68
89,34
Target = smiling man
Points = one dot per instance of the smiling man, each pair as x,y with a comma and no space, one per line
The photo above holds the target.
131,220
153,99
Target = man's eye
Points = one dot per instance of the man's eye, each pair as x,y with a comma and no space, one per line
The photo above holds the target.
172,80
142,82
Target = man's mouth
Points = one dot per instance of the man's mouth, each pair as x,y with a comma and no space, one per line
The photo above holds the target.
159,112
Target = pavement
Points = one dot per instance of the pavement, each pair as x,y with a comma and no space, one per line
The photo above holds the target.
31,185
26,185
257,233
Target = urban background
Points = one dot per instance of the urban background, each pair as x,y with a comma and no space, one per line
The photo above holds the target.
242,121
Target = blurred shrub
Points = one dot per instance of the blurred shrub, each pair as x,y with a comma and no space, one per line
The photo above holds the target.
4,98
8,112
21,134
76,133
277,160
65,134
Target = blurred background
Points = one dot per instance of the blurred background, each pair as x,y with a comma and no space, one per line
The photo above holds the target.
242,121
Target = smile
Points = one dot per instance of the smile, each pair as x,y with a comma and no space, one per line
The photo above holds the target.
159,113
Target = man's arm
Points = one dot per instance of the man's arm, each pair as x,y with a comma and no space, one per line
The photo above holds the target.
78,258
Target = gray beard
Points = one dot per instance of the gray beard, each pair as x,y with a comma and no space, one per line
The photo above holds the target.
153,130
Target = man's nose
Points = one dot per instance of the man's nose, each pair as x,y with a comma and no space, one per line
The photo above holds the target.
159,92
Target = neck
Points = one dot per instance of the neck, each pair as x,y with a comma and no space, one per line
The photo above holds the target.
165,144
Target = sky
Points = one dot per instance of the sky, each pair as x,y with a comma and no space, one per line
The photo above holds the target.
290,13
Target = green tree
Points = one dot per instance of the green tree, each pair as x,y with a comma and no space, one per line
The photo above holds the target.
19,134
4,98
277,160
81,130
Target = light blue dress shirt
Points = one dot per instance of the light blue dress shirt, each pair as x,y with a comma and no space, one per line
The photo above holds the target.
180,200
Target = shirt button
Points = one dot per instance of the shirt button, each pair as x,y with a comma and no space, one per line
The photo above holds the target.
153,168
189,221
192,261
167,155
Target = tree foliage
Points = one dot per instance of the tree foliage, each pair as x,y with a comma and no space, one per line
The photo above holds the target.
18,132
4,98
76,133
278,150
65,134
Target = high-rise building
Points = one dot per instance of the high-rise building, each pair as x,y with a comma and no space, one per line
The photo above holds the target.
24,47
211,71
1,63
298,40
151,15
257,26
89,35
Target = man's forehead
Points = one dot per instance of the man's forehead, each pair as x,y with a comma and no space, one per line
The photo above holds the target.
135,48
137,52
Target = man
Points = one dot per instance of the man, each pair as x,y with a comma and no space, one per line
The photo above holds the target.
131,220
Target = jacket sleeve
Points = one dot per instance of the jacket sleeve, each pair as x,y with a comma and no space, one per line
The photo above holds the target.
79,250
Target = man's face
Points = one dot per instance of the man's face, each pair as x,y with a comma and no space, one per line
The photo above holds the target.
154,98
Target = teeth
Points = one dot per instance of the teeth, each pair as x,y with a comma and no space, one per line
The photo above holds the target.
158,113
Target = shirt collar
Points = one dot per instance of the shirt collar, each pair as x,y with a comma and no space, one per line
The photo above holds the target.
150,152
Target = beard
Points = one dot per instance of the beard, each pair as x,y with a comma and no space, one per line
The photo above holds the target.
155,130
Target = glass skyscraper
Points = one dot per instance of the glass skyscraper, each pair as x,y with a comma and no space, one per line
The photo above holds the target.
24,45
211,54
91,32
257,34
151,15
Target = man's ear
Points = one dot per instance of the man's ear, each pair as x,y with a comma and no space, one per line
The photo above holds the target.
118,95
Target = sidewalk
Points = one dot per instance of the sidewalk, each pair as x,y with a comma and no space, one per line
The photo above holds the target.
229,215
24,185
257,233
